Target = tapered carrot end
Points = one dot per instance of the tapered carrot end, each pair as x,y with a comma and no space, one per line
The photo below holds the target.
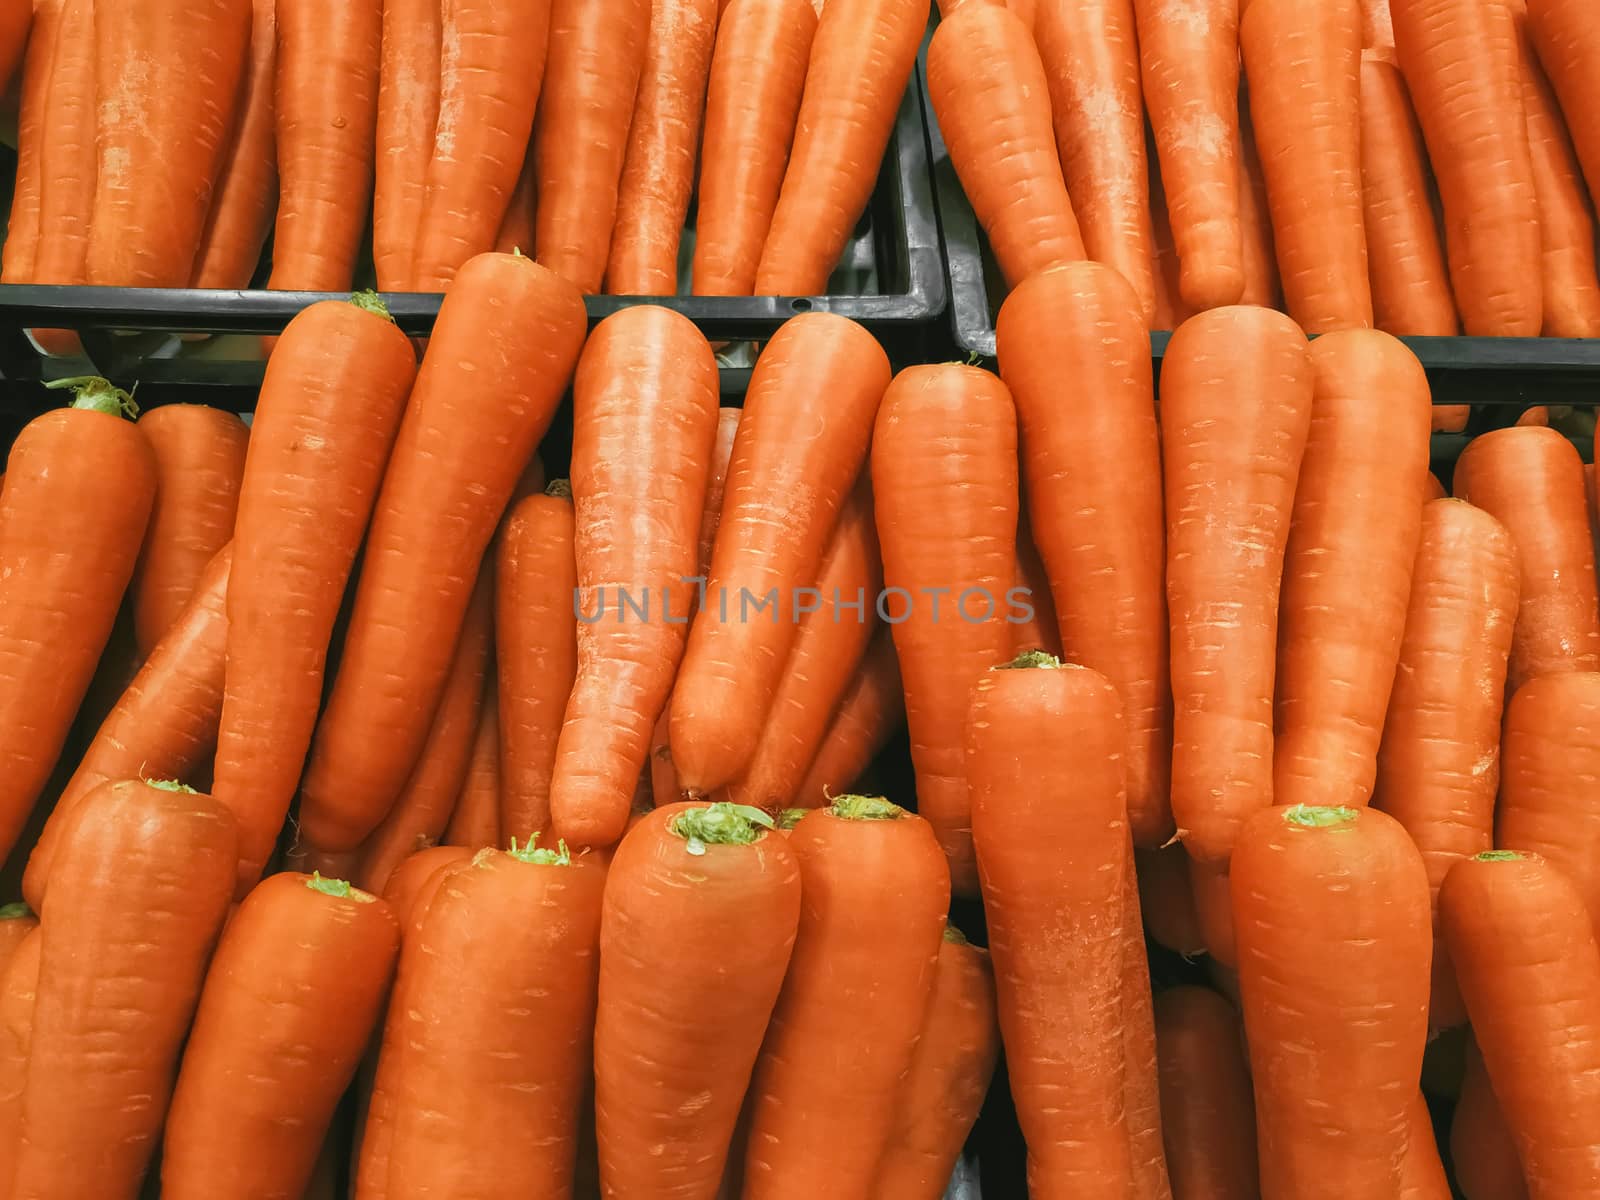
92,393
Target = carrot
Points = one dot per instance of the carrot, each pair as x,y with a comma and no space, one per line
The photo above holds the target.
411,44
516,234
15,21
246,194
1422,1174
423,811
1377,26
322,432
1525,954
1236,388
1051,840
1100,533
1207,1109
1347,571
476,820
69,167
86,470
837,623
1170,310
1481,1149
1039,631
644,422
19,982
164,726
1405,261
1213,909
808,417
1189,61
1538,415
143,879
814,1127
597,54
1167,901
39,82
658,167
490,72
246,1117
1091,63
950,1071
200,455
1459,58
408,885
1259,254
500,357
1568,46
868,714
944,479
992,100
167,75
1303,59
861,58
1141,1091
728,421
1335,994
1532,480
536,639
758,71
701,908
326,112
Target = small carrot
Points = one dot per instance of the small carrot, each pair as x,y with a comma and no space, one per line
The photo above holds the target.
476,820
1167,901
411,44
1141,1089
1207,1108
1170,309
728,421
867,716
408,884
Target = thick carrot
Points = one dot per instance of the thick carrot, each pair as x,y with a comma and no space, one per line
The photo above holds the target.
200,455
808,418
944,480
1189,61
813,1127
861,58
701,909
1525,954
39,82
1100,533
325,113
644,422
1259,254
1236,404
476,820
1568,45
1303,59
143,879
950,1070
1422,1174
246,194
1141,1089
1335,994
19,983
1531,478
1481,1149
1052,854
1405,260
1347,570
658,167
167,75
758,72
322,432
516,234
536,647
69,166
410,57
597,53
501,354
1166,900
1207,1108
1040,630
489,76
1459,58
85,470
867,716
992,100
248,1118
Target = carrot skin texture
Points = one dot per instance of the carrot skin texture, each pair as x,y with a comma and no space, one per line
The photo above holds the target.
1141,1087
476,820
122,974
1166,901
1261,284
758,72
324,425
861,58
867,715
1207,1107
645,420
1422,1174
1040,631
1525,954
1335,996
1101,534
411,43
501,354
664,1075
1531,479
597,54
1481,1149
803,438
1460,62
1568,45
809,1125
943,431
247,1117
199,455
1236,388
38,75
69,163
990,94
95,471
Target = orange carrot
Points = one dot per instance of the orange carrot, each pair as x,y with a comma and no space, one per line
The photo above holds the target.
1170,310
1040,631
728,420
408,886
1166,900
476,820
69,164
1259,254
1422,1174
516,234
1568,45
867,715
19,984
1481,1149
407,121
1207,1109
1213,910
1141,1088
39,82
1377,27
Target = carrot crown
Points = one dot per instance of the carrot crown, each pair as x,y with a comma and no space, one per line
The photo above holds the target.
92,393
1031,660
561,488
790,817
530,853
339,889
866,808
720,824
170,785
370,301
15,912
1497,856
1312,816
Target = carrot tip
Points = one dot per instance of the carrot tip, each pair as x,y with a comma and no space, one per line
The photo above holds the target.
561,488
370,301
790,817
1031,660
1498,856
866,808
720,824
339,889
170,785
530,853
1312,816
93,393
17,911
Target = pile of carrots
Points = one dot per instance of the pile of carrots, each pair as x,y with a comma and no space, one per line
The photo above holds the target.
163,141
